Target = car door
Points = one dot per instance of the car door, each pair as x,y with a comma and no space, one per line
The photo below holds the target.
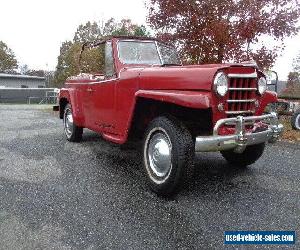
102,94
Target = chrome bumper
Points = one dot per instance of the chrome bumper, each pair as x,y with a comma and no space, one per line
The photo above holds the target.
240,140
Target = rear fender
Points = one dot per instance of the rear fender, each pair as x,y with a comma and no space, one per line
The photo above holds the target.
73,98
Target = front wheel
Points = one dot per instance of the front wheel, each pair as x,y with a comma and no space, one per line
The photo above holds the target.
168,155
72,131
249,156
296,120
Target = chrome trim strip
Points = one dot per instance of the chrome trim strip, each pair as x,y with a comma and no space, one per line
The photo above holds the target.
252,75
104,81
244,100
240,112
261,117
246,89
246,123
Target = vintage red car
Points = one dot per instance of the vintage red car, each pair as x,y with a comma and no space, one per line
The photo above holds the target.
145,93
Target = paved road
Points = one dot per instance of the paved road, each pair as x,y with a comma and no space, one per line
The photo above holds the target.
60,195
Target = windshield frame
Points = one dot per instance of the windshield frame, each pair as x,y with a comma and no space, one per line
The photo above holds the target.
145,41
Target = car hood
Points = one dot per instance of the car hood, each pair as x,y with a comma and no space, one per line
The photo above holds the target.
194,77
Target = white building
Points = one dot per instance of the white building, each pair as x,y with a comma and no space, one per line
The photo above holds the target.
21,81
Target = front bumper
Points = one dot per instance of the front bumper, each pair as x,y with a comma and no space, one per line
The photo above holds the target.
241,139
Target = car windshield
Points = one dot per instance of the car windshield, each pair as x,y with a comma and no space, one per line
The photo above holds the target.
147,52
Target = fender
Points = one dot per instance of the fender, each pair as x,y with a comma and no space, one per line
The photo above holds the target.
73,97
267,98
64,93
190,99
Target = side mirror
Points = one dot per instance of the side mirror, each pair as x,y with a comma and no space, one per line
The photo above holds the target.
272,80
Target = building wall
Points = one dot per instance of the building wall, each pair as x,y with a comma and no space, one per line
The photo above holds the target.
21,82
26,95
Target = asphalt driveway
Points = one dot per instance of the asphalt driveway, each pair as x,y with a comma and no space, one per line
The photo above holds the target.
60,195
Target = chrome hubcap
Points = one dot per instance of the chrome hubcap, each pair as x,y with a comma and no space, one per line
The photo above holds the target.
297,122
68,122
159,155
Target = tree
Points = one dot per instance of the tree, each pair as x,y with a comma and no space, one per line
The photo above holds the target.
8,61
87,33
294,76
36,72
92,59
214,31
67,62
124,28
293,82
293,86
296,63
23,69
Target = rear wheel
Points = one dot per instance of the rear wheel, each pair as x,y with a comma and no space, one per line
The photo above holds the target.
249,156
168,155
72,131
296,120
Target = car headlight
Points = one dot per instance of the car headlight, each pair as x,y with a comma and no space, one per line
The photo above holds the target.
221,84
262,85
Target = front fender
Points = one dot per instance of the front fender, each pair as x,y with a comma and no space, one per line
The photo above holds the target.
268,97
190,99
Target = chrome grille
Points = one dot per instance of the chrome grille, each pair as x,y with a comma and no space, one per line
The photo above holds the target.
241,96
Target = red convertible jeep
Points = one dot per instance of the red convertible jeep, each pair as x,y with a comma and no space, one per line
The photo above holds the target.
145,92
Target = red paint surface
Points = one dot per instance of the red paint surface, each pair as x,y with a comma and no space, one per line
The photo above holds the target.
107,106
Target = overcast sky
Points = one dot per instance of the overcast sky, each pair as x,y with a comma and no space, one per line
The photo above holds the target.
35,29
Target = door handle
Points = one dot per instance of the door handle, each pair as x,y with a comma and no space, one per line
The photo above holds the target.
90,90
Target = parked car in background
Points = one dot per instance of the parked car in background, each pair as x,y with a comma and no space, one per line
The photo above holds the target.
296,119
288,104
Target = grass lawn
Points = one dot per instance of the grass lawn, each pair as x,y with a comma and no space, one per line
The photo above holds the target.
289,133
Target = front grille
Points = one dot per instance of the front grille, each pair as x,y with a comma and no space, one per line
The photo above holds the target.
241,97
